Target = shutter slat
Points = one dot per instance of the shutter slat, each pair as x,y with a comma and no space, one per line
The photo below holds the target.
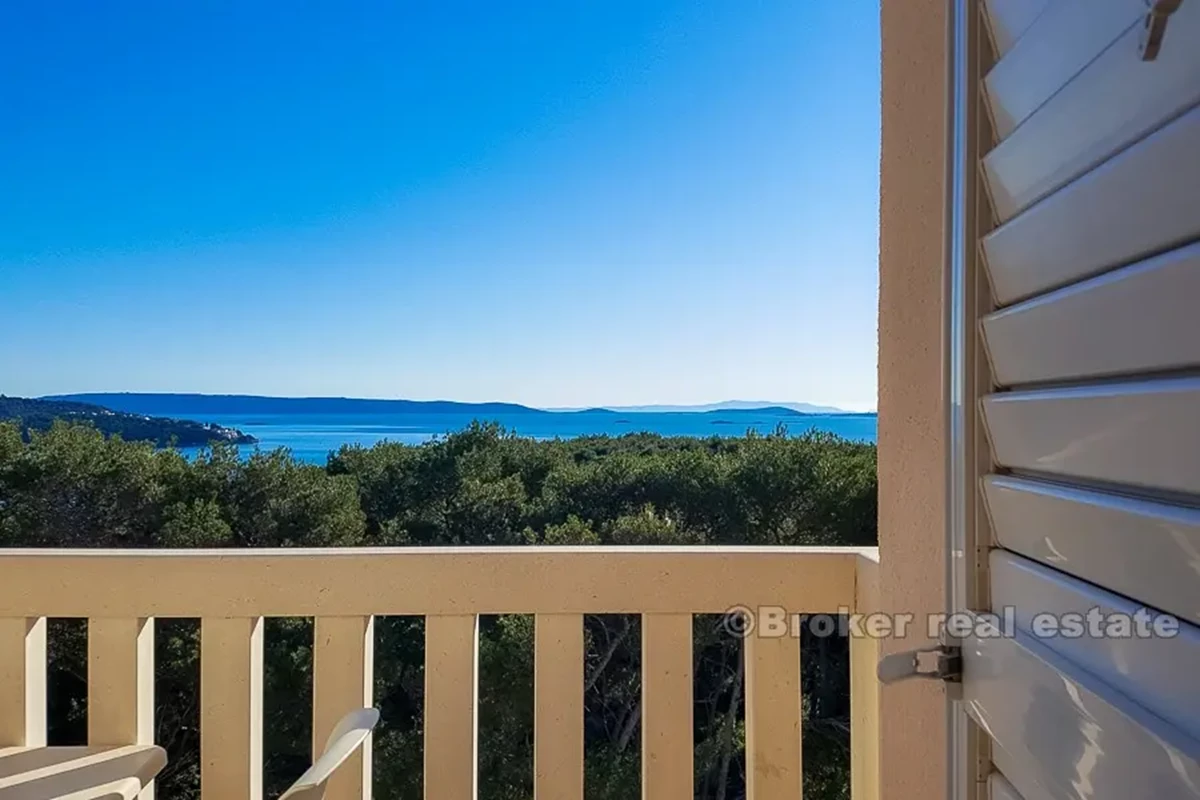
1116,100
1021,782
1001,789
1157,671
1142,434
1068,731
1141,202
1058,44
1008,19
1140,318
1145,550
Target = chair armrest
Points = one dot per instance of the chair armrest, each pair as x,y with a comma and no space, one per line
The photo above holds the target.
348,735
82,771
126,789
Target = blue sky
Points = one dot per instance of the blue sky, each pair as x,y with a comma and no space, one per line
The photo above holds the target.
559,203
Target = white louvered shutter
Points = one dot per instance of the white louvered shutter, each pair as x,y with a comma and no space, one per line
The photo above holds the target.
1080,392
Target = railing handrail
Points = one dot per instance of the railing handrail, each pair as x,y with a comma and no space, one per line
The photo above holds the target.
119,591
249,552
425,581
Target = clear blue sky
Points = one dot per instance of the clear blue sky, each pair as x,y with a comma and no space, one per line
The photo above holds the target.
569,202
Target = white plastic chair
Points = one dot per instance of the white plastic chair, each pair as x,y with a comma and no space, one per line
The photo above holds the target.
78,773
126,789
348,735
120,773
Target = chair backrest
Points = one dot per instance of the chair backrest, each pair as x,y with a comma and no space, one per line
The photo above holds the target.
347,736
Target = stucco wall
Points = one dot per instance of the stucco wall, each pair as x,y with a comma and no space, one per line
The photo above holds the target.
912,497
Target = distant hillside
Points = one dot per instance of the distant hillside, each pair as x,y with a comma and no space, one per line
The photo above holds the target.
240,405
38,415
728,405
773,411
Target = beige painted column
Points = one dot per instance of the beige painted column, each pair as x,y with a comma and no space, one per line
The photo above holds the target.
343,678
121,684
451,706
23,682
864,686
231,683
912,440
120,681
773,717
667,745
558,651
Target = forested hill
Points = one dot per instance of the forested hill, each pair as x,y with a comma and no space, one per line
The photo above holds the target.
236,404
39,415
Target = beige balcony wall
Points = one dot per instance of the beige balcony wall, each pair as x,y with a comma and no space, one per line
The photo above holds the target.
912,497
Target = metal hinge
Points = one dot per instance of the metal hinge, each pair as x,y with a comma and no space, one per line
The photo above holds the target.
940,663
1154,27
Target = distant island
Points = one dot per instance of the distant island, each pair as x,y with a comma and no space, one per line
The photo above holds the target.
39,415
727,405
218,405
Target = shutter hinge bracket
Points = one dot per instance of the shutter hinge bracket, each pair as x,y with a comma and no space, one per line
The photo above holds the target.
1154,27
941,663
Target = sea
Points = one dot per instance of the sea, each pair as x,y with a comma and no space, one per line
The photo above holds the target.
311,437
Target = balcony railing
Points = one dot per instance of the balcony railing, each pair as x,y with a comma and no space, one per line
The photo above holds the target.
231,591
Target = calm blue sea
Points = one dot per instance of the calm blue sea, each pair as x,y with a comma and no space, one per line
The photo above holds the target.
311,437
